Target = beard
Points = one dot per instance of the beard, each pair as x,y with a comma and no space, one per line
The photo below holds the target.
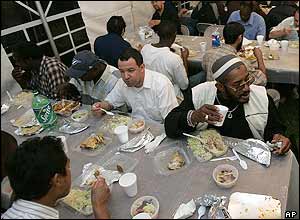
242,98
239,46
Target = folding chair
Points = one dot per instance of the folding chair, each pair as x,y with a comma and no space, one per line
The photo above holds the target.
184,30
201,27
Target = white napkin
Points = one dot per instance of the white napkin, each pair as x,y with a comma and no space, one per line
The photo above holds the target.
154,144
246,41
185,210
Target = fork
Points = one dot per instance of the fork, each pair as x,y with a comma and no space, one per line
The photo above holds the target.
224,158
107,112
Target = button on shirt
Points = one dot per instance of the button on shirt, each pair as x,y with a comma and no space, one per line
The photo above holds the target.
23,209
109,47
154,100
101,88
288,22
253,27
50,76
170,64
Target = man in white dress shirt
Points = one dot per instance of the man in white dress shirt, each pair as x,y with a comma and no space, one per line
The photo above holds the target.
39,173
148,93
158,57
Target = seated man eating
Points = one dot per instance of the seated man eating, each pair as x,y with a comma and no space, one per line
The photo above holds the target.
251,113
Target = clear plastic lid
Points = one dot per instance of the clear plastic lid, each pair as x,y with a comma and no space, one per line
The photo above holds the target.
164,160
127,163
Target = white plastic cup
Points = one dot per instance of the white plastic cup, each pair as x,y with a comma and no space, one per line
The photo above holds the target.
63,139
142,35
203,47
284,45
260,39
128,182
142,215
122,133
6,193
223,111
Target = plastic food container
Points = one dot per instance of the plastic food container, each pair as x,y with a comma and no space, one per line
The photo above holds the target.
127,163
136,125
80,115
225,170
92,144
137,203
163,158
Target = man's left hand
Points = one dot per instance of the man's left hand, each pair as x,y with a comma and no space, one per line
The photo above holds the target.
286,144
153,23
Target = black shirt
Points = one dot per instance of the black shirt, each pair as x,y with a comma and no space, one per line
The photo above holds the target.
237,126
170,14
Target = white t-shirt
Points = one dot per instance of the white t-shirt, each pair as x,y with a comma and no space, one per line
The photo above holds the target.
288,22
101,88
170,64
154,100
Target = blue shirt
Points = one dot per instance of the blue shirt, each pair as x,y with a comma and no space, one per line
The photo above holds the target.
254,26
109,47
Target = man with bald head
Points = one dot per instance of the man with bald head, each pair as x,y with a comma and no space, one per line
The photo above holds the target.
251,114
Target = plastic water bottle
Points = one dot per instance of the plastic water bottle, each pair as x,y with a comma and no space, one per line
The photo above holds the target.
216,42
43,110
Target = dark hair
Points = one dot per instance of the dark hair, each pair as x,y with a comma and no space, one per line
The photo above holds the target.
116,24
33,165
246,4
132,53
28,49
166,29
231,32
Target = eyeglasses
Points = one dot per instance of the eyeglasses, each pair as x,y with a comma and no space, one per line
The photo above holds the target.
240,87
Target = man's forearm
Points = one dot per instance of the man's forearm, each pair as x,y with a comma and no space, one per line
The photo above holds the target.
276,34
101,212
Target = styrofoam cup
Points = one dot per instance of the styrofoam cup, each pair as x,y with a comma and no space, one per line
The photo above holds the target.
284,45
142,215
260,39
142,35
122,133
128,182
203,47
63,139
223,111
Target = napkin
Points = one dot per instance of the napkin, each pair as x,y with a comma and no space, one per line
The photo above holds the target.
185,210
154,144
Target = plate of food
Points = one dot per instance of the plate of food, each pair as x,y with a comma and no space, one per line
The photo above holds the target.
65,107
145,204
79,200
111,122
29,131
73,127
248,53
25,120
173,158
23,98
211,145
94,143
136,125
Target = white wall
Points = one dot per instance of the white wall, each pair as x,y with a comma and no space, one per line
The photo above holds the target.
95,15
7,81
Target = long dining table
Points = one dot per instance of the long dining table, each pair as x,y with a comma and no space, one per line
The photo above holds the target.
280,180
284,70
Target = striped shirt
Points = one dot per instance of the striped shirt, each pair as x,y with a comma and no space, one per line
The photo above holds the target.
213,54
50,76
23,209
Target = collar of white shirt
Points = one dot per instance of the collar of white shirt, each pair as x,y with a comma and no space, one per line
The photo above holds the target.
31,209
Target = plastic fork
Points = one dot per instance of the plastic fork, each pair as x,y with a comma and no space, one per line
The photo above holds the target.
225,158
107,112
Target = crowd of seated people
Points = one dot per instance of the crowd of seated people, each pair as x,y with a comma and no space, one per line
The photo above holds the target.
153,82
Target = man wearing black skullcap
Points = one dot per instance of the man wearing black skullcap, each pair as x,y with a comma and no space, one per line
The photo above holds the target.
251,114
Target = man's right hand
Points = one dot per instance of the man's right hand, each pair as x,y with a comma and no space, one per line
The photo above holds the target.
100,195
210,110
184,53
18,73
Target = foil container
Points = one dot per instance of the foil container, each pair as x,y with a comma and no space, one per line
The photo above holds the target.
217,206
88,175
256,150
138,142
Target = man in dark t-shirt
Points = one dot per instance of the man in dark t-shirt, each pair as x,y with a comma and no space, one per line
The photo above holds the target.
163,12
